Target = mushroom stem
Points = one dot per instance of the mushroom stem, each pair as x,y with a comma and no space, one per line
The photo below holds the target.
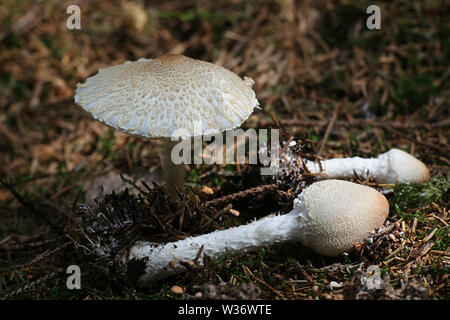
329,217
173,173
394,166
217,244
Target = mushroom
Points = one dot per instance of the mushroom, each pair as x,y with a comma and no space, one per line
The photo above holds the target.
329,217
169,97
392,167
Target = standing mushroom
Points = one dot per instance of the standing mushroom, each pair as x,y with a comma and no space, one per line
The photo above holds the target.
329,217
159,98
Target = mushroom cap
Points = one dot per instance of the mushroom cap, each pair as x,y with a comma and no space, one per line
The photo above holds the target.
335,214
404,168
171,95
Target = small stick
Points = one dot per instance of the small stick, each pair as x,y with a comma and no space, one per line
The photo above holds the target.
328,130
241,194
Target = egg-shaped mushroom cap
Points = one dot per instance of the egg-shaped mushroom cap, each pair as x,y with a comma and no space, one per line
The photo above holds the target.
335,214
404,168
171,95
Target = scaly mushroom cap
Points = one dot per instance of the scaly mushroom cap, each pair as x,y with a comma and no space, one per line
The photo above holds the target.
335,214
404,167
155,97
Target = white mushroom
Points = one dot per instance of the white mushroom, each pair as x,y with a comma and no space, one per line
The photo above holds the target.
169,96
395,166
329,217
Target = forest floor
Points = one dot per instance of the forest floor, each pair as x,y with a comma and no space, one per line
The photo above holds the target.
321,77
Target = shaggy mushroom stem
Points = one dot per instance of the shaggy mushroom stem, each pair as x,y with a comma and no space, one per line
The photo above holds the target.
173,173
329,217
241,239
394,166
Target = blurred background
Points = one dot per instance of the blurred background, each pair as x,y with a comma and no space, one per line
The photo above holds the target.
313,62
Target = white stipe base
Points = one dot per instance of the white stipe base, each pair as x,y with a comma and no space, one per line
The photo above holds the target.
258,234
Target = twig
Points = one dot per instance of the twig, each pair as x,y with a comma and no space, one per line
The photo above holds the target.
38,213
48,253
28,286
330,126
251,275
303,271
241,194
217,215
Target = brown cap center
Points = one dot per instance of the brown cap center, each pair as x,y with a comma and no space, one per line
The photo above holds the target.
171,58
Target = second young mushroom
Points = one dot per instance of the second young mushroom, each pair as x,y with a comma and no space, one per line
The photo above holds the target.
392,167
328,216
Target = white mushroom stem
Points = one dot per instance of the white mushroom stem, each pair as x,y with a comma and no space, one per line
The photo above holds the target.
329,217
173,173
394,166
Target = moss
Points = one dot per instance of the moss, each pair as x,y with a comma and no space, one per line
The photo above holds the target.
162,294
418,196
442,239
188,15
412,91
60,291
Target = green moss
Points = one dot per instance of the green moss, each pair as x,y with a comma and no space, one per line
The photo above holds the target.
60,291
192,177
412,91
384,271
162,294
407,217
408,196
227,266
187,15
341,21
442,239
345,257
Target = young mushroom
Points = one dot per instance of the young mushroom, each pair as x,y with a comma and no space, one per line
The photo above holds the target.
169,97
395,166
329,217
